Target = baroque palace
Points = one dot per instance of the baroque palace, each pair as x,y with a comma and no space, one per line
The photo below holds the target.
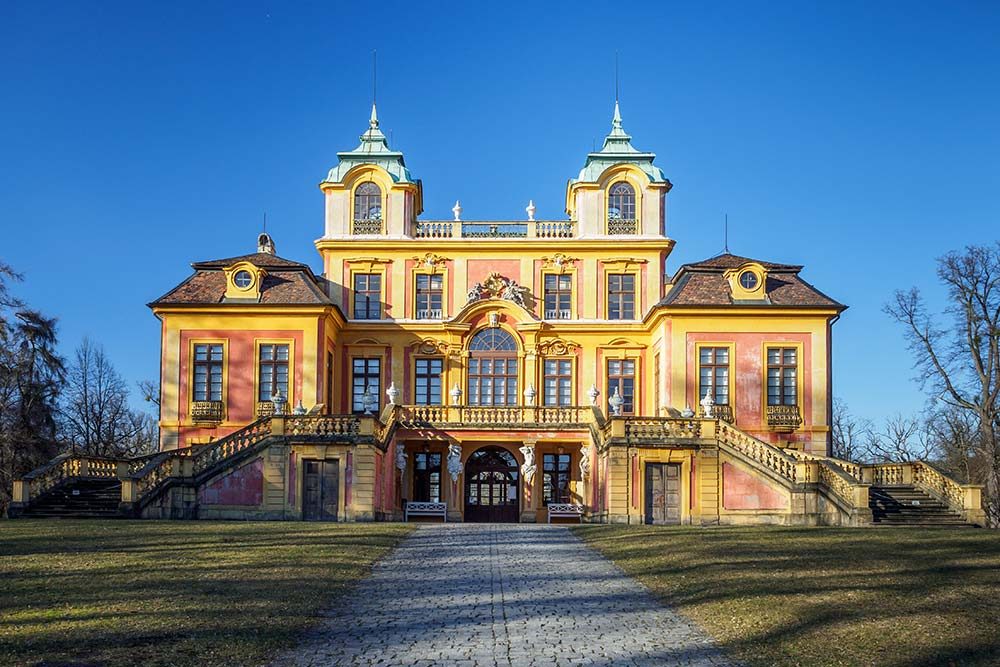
525,370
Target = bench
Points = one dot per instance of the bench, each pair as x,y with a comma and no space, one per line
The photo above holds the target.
565,511
426,509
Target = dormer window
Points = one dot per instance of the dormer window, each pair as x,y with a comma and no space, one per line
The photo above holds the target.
367,209
749,281
243,279
621,210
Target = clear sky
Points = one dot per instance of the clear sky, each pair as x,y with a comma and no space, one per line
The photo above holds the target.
857,138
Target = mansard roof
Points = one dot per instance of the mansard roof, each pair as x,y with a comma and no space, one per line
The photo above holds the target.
618,149
285,283
704,284
374,149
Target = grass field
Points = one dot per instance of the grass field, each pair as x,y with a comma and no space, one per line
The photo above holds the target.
116,593
797,596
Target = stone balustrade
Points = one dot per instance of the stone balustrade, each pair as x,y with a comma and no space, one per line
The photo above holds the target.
530,229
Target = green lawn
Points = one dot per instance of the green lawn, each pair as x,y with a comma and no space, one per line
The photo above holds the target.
824,596
171,593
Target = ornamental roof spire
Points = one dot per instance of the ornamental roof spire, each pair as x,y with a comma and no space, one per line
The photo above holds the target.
618,149
373,149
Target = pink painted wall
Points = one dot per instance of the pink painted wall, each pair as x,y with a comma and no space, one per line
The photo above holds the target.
748,369
240,376
243,486
743,491
478,269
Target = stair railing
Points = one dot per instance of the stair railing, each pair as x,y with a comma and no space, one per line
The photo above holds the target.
967,499
763,453
155,471
63,468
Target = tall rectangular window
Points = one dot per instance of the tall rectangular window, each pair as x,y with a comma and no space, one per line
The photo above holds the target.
365,374
208,372
272,371
621,296
427,477
782,376
621,376
555,478
427,388
558,382
367,296
558,296
430,296
713,369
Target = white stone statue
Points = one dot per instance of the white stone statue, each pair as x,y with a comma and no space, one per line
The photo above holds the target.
707,403
616,402
457,210
593,393
512,292
400,457
475,293
531,210
392,393
584,462
454,461
528,468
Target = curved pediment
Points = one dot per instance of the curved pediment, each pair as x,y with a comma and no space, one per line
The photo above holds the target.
476,309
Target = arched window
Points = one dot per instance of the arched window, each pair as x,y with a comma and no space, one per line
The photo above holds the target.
492,368
494,339
367,209
621,202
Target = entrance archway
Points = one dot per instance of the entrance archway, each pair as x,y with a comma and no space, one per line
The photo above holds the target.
492,488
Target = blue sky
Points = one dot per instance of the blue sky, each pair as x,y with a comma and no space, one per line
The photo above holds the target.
859,139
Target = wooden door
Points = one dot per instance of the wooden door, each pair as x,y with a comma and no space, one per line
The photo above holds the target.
491,487
320,490
663,493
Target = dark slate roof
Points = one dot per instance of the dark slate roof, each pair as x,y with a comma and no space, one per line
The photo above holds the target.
286,283
261,259
704,284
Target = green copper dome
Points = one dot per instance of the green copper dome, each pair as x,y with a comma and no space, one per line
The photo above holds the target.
374,149
618,149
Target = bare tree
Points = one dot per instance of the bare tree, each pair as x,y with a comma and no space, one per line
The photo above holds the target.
849,433
900,439
97,417
960,364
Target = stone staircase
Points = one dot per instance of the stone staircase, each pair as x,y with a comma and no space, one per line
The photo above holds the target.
909,506
79,499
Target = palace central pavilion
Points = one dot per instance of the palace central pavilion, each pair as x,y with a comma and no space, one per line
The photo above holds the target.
529,370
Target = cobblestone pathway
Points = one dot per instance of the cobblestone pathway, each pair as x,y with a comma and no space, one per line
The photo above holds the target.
474,595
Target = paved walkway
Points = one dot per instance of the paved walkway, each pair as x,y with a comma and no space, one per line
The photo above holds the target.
474,595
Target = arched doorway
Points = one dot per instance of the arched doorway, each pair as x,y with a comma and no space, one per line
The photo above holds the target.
492,491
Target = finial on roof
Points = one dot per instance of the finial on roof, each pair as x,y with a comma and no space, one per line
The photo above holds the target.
530,209
457,210
373,121
265,244
616,125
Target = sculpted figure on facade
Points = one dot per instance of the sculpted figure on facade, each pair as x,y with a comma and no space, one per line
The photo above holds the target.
454,461
528,468
512,292
475,293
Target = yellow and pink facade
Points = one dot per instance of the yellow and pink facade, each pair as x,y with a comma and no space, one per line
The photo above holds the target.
499,368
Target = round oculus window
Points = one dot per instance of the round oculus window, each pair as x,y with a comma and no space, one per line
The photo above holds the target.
243,279
749,280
